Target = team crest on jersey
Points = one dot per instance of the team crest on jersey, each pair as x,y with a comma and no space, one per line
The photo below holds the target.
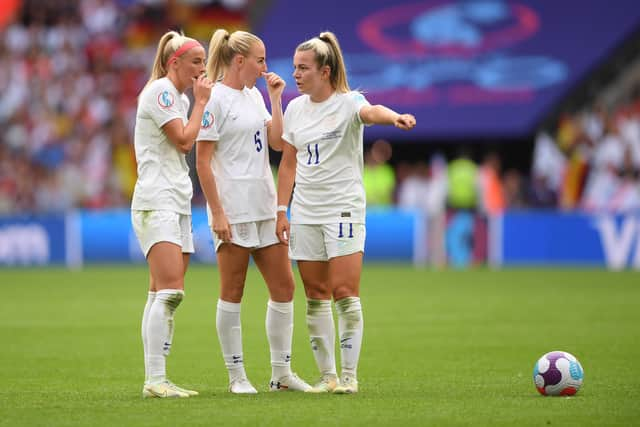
207,120
165,99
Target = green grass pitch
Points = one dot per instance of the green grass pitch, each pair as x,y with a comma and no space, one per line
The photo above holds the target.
440,348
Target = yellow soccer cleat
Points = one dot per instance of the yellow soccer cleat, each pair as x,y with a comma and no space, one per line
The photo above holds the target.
327,384
183,390
348,385
164,389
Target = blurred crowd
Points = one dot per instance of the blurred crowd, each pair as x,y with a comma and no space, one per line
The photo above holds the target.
595,157
70,72
590,161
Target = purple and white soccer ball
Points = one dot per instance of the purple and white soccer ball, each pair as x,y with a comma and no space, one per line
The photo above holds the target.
558,373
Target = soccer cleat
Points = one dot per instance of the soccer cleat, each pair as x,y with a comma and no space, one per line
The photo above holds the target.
348,385
183,390
289,383
327,384
162,390
242,386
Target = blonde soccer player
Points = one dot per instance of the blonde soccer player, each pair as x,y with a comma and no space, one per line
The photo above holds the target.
161,205
323,130
234,172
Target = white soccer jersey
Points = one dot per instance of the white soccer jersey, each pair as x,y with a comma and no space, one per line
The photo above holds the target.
163,174
328,139
237,120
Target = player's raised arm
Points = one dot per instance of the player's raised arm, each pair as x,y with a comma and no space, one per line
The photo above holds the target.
381,115
275,87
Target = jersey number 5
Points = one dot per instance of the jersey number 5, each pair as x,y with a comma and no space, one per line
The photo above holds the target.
313,151
257,141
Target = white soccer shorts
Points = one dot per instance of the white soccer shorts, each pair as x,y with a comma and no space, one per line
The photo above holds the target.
252,235
321,242
152,227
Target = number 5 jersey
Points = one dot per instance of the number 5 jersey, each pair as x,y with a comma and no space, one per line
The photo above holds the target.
237,120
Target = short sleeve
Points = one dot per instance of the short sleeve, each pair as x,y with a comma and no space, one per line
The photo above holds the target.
163,103
208,129
358,101
287,132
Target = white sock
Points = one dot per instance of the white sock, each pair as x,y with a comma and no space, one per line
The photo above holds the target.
230,336
160,331
145,341
350,327
279,325
322,335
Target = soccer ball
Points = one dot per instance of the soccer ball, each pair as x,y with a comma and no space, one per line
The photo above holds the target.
558,373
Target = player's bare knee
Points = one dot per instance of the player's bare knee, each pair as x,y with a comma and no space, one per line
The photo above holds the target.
170,284
343,290
281,290
232,293
318,291
281,295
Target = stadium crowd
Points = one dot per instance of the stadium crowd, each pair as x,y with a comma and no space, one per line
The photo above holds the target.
70,73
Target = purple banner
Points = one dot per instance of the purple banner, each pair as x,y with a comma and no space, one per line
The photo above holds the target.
464,68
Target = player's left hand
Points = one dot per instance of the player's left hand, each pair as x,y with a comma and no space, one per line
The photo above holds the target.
275,84
405,121
282,228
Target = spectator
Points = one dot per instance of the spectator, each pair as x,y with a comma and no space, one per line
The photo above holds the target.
492,196
546,176
462,178
379,178
70,72
514,193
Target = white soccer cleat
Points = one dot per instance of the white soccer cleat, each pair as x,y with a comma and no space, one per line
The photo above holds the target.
242,386
289,383
327,384
348,385
164,389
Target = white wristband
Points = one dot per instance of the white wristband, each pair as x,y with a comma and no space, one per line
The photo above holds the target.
282,208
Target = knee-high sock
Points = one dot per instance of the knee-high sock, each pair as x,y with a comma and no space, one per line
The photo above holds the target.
145,341
350,327
279,324
230,336
322,335
160,331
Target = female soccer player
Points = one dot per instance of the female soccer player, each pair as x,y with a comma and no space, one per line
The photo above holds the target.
323,128
233,167
161,205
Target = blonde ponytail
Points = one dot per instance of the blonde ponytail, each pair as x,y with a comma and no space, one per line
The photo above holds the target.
327,52
169,43
223,47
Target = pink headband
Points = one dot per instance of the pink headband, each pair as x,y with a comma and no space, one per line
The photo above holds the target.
182,49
